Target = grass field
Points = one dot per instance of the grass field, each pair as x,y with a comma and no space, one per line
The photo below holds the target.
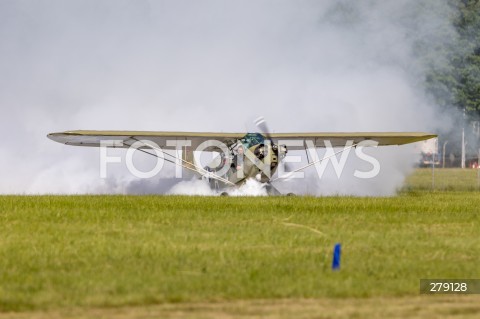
216,257
451,179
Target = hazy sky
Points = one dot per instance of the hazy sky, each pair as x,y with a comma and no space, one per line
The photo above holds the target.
205,66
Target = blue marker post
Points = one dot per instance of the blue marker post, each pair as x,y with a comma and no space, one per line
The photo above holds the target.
337,250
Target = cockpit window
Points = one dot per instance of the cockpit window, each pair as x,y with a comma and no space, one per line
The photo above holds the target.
252,139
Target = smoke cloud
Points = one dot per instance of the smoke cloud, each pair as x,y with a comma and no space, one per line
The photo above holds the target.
208,66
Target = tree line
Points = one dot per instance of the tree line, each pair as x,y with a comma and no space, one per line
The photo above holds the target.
455,82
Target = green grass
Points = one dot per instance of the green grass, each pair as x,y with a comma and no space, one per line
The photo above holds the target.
95,251
449,179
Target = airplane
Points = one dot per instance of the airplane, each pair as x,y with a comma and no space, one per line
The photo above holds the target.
243,155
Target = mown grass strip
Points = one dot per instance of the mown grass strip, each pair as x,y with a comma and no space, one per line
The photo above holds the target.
101,251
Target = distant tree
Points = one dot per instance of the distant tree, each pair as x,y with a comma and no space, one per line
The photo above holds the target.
468,27
456,81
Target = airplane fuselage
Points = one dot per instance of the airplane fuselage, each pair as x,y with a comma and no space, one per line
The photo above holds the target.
253,156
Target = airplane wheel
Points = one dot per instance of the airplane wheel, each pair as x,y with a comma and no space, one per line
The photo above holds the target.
223,194
291,194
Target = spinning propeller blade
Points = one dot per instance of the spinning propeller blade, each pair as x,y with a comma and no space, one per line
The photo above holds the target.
263,127
261,124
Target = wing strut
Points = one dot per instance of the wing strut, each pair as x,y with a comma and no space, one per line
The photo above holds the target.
197,169
313,163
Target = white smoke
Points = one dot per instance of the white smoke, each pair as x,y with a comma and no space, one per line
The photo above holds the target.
192,187
207,66
202,188
250,188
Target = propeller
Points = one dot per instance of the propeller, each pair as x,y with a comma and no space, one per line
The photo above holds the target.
261,124
263,127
